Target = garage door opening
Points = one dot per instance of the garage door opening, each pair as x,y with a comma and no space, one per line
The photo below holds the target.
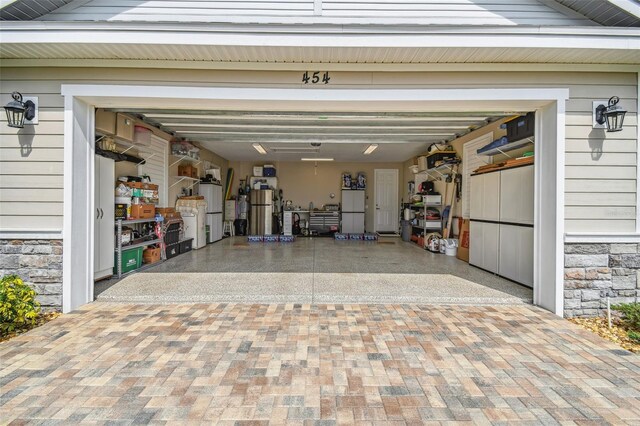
317,268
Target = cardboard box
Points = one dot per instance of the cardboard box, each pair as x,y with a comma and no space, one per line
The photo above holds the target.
463,246
151,255
186,170
143,211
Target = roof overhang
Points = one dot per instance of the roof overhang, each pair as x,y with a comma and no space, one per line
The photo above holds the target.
318,43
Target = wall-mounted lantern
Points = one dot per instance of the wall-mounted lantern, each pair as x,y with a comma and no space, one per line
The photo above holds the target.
18,111
610,116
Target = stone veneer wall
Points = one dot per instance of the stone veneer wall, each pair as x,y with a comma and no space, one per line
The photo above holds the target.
38,263
594,271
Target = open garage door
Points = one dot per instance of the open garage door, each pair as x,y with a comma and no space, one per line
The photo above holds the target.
336,131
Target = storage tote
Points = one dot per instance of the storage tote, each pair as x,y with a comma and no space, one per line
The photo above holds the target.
131,260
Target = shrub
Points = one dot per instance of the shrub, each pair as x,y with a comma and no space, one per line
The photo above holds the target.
631,313
634,335
18,305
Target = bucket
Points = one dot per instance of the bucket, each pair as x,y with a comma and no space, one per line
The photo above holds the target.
450,246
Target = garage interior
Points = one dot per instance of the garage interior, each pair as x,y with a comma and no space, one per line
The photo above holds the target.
314,206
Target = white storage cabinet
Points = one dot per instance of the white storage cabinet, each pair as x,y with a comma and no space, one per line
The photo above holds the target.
501,228
104,244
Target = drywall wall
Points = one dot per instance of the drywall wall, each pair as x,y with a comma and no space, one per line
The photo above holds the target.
304,182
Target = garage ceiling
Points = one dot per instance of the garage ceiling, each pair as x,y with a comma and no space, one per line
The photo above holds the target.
288,135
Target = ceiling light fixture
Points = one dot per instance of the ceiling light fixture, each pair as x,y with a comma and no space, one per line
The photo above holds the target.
371,148
316,159
260,148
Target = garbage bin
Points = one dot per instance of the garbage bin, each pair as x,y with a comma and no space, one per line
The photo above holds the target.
406,230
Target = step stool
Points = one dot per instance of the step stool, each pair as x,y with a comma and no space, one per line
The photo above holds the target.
228,228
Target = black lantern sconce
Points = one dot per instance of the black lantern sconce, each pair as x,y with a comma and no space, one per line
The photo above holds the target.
610,117
19,111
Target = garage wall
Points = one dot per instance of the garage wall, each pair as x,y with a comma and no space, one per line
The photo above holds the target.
303,183
600,173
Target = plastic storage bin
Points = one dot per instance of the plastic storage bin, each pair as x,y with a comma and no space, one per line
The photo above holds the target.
131,260
172,250
186,245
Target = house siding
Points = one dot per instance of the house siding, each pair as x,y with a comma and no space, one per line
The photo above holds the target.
601,168
456,12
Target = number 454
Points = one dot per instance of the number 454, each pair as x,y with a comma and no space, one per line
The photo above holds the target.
315,77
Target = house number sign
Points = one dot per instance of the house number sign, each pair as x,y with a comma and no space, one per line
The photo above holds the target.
317,77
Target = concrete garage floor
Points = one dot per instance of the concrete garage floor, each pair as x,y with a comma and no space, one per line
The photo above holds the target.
314,270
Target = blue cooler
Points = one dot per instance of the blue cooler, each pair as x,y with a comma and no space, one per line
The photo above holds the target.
268,171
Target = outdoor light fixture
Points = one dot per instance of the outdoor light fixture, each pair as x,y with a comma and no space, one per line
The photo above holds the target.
316,159
260,148
610,116
17,111
371,148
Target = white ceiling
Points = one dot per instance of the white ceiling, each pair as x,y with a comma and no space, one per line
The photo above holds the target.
288,135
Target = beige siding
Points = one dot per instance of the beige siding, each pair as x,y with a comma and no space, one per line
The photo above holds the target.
600,173
452,12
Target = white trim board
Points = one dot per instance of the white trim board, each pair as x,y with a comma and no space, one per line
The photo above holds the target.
602,238
80,99
30,235
298,66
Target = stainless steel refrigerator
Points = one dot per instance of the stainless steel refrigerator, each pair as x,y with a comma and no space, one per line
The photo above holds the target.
353,211
261,212
213,196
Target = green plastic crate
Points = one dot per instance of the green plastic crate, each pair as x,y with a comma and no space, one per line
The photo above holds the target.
131,260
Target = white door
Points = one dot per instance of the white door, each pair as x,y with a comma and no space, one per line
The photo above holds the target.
105,222
516,253
156,165
386,200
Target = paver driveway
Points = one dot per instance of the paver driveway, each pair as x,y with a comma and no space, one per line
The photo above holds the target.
112,363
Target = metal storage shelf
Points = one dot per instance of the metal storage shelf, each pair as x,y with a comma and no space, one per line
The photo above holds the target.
142,244
181,178
508,147
181,158
439,172
119,248
134,221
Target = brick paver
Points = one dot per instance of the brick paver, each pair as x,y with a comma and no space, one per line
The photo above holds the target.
308,364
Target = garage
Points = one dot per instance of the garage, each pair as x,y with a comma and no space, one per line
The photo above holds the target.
315,202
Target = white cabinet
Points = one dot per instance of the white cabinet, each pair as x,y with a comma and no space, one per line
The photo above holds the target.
516,195
104,245
352,223
484,245
485,197
500,233
516,253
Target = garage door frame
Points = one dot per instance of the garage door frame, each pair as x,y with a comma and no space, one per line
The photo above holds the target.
80,101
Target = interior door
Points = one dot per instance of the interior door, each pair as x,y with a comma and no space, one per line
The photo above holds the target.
386,200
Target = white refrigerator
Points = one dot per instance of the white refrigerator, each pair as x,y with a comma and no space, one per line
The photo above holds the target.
213,196
353,203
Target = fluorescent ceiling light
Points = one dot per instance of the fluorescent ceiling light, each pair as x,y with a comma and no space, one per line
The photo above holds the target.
316,159
259,148
371,148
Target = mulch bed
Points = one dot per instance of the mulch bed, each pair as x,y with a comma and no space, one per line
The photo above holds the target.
617,333
43,318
